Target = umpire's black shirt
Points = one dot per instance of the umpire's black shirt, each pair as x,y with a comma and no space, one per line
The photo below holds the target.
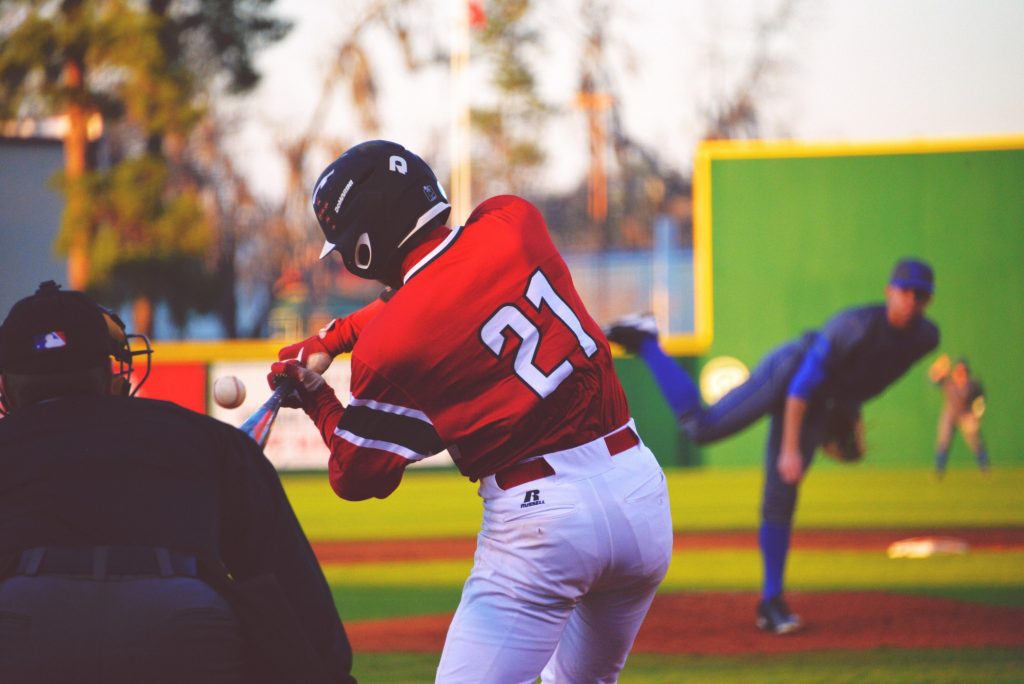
116,471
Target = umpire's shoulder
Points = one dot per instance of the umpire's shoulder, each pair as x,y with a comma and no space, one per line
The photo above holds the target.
186,419
172,411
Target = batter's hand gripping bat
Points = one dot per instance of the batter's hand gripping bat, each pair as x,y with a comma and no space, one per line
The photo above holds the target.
259,423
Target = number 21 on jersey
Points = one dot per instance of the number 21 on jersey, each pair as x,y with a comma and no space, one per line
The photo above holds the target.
538,292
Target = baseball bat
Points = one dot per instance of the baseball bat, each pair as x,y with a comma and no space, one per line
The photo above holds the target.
259,423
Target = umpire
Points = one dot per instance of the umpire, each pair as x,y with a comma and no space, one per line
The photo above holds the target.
139,541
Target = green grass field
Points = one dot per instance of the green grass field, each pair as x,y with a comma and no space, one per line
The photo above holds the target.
441,504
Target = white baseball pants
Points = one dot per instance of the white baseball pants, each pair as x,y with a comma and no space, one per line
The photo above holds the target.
565,570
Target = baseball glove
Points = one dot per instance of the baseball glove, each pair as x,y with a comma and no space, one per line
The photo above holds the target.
976,399
844,432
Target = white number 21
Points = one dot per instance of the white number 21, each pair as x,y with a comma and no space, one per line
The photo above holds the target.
538,291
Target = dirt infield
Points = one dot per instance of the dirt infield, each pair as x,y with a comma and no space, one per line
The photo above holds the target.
722,622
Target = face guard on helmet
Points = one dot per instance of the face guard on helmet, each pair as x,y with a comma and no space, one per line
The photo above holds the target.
124,347
373,204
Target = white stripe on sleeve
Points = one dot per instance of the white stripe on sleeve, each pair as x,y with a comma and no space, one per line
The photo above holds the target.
391,447
390,408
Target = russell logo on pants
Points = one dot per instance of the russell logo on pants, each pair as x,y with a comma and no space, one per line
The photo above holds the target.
532,498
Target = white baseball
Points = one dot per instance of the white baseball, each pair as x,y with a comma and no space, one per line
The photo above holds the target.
228,392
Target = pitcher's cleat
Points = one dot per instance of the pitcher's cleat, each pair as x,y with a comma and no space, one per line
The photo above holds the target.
632,330
773,616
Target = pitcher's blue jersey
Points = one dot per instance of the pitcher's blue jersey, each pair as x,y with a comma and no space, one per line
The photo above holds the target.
857,354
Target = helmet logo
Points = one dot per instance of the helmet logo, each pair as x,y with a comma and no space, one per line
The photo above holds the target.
397,163
51,340
363,253
337,206
429,192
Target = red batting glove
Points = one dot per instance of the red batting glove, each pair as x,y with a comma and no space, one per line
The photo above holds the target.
337,337
304,349
313,395
306,381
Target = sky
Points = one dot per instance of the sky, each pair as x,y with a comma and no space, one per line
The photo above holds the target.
849,70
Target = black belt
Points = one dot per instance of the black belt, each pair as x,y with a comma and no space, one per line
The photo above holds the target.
100,562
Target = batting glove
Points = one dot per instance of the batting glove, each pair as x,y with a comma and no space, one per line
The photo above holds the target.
337,337
306,381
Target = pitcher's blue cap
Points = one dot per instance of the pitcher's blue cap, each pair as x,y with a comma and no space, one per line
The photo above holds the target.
913,274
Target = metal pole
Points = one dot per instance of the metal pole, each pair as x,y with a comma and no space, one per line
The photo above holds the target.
460,199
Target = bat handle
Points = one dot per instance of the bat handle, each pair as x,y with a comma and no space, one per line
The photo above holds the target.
259,423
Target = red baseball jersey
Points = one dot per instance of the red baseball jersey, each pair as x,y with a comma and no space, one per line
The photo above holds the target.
486,350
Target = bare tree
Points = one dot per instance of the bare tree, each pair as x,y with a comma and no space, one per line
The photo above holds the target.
283,241
738,113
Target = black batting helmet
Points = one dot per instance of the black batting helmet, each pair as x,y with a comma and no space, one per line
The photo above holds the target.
371,201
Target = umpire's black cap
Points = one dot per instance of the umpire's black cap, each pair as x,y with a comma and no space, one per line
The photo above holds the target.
56,331
913,274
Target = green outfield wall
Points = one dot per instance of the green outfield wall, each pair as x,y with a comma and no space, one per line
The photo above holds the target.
797,232
654,419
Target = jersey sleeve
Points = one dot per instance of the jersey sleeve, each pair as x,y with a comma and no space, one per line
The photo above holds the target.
837,338
377,436
811,373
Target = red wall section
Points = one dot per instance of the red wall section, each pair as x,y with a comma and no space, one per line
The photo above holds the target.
183,383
